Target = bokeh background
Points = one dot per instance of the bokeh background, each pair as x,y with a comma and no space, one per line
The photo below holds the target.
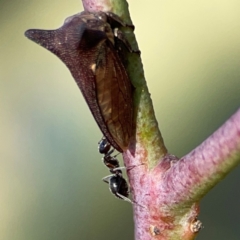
50,174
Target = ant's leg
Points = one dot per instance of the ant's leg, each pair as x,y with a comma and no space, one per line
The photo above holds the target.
124,198
129,200
110,152
118,168
106,179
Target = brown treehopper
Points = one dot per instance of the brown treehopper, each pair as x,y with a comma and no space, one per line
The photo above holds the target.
88,43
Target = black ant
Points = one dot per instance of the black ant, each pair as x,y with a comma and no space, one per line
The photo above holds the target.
117,184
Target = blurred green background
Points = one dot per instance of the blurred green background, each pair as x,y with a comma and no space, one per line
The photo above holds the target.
51,171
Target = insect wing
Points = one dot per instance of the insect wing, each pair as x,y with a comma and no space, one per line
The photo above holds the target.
114,94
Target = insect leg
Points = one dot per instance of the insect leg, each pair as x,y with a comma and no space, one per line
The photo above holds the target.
106,179
124,198
119,168
119,35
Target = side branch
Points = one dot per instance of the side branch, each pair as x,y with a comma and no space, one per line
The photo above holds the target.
197,172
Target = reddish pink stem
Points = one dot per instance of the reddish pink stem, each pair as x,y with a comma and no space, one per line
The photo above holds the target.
171,191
